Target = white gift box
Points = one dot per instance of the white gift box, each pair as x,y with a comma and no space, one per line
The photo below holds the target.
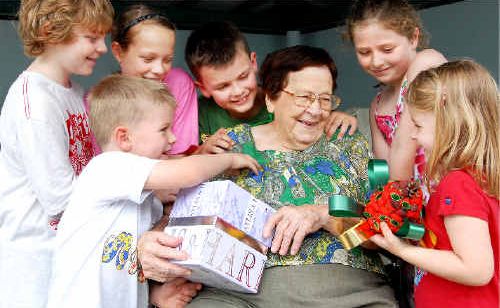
221,256
228,201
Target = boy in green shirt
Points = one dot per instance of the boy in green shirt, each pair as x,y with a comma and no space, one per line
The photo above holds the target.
225,71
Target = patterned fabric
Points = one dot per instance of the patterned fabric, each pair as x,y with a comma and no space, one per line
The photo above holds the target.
310,177
387,124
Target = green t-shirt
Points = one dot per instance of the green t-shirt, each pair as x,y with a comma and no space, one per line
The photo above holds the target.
211,117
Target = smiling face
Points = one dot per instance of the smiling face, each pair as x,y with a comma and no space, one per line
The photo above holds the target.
79,55
150,52
233,86
383,53
152,136
425,123
299,127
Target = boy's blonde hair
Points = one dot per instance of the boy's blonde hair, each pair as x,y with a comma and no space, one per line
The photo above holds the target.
464,99
123,100
43,22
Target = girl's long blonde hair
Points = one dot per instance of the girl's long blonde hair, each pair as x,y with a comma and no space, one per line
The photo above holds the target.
465,100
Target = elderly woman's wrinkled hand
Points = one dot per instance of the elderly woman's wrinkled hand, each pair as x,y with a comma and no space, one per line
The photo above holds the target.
155,250
342,121
292,224
218,143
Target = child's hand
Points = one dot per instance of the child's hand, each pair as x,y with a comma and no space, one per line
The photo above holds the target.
216,144
166,195
174,294
240,161
340,120
389,241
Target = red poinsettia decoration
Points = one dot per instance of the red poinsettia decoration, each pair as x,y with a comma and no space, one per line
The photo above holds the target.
397,203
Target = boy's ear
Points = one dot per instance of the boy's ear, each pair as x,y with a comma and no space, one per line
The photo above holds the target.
253,60
121,138
416,36
202,88
116,50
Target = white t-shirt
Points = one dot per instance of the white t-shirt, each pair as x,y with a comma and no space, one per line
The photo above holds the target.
45,141
95,258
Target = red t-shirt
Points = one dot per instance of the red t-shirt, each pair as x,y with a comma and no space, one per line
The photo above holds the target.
459,194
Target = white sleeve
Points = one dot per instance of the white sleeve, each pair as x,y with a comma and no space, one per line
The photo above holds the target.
44,150
119,175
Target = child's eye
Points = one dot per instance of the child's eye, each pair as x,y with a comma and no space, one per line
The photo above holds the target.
91,38
244,75
147,59
221,87
388,49
363,52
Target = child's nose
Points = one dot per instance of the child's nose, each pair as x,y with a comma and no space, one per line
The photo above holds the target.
377,60
171,138
236,90
158,68
101,46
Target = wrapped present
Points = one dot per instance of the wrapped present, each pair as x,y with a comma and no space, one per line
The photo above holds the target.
221,255
397,203
227,201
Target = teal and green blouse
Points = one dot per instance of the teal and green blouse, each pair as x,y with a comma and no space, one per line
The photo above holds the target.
309,177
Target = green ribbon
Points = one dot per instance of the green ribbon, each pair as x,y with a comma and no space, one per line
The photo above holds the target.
378,173
344,206
411,231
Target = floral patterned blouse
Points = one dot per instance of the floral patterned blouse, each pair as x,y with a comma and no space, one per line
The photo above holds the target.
310,177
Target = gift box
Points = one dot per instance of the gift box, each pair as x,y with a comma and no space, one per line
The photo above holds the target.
228,201
397,203
221,255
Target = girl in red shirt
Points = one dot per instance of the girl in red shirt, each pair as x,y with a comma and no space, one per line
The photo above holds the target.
455,109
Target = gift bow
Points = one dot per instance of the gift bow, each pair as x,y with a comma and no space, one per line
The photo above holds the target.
398,203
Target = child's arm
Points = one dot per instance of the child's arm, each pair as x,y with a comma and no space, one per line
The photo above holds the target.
471,261
403,149
424,60
174,294
342,120
380,147
192,170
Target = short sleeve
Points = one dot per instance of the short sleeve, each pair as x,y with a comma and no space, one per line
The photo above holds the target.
459,194
118,175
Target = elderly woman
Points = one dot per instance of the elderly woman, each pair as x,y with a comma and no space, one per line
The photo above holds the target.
307,266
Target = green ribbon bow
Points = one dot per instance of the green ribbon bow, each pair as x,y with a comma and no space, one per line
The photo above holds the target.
378,176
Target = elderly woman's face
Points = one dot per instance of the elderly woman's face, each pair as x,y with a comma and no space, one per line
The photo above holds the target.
299,126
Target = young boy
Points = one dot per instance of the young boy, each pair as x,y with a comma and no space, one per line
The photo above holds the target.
95,261
225,71
45,138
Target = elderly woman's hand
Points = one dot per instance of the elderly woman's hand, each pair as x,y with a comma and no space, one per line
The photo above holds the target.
155,250
342,121
292,224
216,144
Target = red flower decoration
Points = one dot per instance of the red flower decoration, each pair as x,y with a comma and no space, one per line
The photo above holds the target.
397,202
